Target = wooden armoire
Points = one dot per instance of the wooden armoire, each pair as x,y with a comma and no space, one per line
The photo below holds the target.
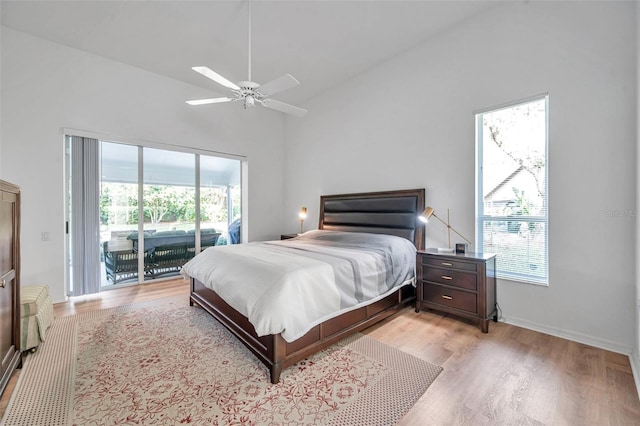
9,281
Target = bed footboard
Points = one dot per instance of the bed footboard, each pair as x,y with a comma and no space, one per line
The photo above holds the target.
275,352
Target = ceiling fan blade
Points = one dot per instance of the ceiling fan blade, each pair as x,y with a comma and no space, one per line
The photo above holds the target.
207,72
282,107
210,101
280,84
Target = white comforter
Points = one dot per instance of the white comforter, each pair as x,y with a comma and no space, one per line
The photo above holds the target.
291,286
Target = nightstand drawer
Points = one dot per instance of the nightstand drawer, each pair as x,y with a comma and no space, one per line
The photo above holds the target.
449,297
446,263
466,280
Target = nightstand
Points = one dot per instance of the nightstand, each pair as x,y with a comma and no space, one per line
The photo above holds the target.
287,236
460,284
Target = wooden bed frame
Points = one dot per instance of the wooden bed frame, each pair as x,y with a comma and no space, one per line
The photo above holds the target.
389,212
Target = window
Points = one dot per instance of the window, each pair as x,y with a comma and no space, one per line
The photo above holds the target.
512,188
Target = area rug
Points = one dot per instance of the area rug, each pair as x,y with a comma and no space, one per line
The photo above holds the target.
164,363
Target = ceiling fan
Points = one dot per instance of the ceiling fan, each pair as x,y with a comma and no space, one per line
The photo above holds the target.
250,92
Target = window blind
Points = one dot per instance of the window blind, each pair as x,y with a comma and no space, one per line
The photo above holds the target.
85,216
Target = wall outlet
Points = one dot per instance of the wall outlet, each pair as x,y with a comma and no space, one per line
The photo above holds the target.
44,236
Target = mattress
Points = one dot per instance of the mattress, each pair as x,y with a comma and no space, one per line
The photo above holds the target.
290,286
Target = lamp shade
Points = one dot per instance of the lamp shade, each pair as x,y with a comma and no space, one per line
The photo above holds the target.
426,214
303,213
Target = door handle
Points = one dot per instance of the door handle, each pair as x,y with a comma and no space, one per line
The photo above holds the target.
3,283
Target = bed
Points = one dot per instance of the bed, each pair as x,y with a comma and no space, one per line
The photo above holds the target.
379,213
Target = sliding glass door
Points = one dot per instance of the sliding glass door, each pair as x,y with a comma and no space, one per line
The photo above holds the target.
168,200
220,195
159,208
118,212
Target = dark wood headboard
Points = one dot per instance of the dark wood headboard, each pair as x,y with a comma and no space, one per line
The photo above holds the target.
386,212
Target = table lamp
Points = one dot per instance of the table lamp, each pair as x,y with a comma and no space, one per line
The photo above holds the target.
428,212
302,215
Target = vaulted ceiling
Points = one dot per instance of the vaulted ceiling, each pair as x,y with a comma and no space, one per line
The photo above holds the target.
321,43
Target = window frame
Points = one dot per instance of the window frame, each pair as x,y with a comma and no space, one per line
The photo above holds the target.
482,218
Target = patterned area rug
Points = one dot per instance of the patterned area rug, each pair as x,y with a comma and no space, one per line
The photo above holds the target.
166,363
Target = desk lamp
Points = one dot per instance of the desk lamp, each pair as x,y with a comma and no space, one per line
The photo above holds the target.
428,212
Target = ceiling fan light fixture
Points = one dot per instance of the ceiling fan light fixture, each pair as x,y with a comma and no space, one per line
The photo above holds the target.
249,101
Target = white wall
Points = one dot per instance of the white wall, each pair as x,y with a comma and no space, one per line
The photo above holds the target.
47,87
1,91
409,123
635,358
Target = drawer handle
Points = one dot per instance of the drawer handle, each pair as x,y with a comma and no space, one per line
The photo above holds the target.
447,277
444,296
447,264
3,283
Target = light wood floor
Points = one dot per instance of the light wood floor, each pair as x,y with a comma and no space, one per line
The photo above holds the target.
511,376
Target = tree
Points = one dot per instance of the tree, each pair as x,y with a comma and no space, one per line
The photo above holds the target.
118,203
213,202
105,203
517,132
168,202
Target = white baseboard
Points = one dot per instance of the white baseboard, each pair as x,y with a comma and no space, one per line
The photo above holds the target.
573,336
